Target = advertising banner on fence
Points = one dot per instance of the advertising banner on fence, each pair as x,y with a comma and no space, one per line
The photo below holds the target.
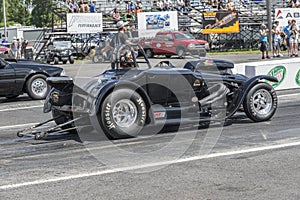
282,15
149,23
287,71
220,22
84,23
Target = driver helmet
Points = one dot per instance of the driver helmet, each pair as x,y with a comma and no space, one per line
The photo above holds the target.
126,60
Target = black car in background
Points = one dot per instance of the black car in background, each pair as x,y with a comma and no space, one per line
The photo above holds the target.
25,76
60,51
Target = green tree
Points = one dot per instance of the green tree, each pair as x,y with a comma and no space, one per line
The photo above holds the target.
16,13
41,15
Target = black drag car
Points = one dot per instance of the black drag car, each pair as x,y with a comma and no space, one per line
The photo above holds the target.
18,76
128,98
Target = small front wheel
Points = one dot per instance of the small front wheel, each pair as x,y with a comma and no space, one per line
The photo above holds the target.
260,103
97,58
123,114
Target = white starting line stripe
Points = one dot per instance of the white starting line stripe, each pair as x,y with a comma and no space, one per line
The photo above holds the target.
20,108
149,165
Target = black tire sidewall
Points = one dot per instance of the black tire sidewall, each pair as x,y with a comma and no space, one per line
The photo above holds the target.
29,83
248,103
56,60
107,122
71,60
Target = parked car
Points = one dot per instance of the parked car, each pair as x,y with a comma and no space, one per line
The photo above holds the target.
4,49
60,51
174,43
125,100
18,76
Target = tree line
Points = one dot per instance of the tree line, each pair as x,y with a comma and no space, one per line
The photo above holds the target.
27,12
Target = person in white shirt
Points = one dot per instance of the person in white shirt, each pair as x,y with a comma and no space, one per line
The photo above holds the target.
294,34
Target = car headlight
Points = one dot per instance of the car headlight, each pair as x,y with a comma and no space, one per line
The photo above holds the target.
62,73
191,46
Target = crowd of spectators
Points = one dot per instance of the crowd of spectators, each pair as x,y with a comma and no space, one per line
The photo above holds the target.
286,37
80,6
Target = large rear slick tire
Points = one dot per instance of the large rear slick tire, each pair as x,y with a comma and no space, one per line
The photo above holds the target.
123,114
260,103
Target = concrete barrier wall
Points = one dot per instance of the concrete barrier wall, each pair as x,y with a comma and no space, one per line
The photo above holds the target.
287,71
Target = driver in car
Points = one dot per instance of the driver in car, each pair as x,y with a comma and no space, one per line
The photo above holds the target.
119,39
126,60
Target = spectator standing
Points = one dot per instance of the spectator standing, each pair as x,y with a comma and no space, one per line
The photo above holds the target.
275,41
286,30
138,9
280,37
116,15
23,47
19,48
264,46
14,47
294,39
93,7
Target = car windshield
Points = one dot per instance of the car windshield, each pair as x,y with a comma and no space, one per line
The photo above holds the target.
62,44
183,36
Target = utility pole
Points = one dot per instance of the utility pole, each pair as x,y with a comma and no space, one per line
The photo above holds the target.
4,19
269,18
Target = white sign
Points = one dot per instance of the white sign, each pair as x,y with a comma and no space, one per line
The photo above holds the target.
149,23
282,15
84,23
287,71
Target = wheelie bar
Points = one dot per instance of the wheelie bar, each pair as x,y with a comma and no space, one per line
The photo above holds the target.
40,133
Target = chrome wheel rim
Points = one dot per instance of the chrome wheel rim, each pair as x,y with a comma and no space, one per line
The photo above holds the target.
262,101
39,87
96,59
180,52
124,113
148,53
